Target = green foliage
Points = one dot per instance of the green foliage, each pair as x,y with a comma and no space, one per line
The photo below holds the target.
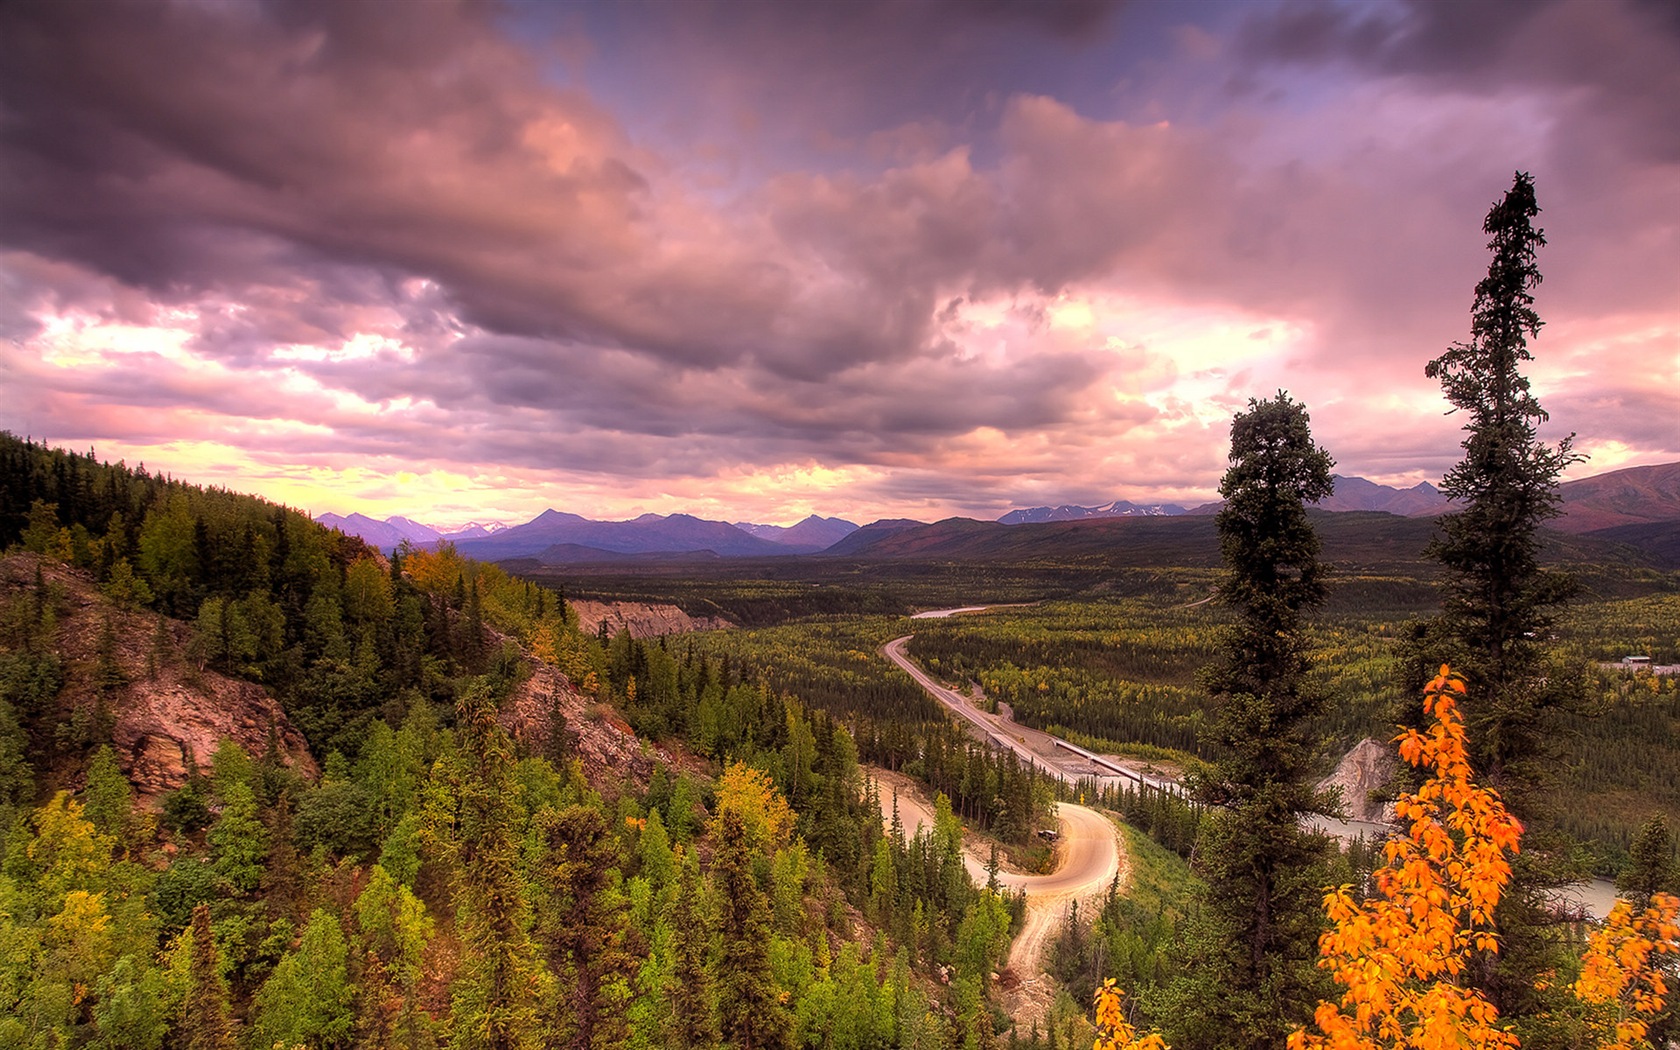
495,996
184,885
238,841
338,816
308,999
135,1005
749,1002
694,1022
108,802
584,928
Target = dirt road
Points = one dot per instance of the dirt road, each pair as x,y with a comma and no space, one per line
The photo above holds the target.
1088,857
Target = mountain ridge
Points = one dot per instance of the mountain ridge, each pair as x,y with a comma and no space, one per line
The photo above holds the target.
1632,496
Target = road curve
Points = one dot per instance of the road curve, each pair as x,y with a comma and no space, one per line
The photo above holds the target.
1088,857
1088,850
1087,862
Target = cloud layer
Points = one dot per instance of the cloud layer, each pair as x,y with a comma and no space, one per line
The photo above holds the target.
762,260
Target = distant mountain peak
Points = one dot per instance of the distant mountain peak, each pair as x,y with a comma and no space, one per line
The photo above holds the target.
1355,493
814,532
1068,512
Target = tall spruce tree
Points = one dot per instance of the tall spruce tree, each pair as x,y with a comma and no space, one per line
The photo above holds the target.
495,996
1253,975
1498,605
694,1024
749,1003
584,924
204,1022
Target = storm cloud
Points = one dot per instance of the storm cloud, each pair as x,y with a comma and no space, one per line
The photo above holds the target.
764,259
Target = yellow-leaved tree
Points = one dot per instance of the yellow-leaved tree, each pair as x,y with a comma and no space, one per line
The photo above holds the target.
1114,1032
1402,955
1621,986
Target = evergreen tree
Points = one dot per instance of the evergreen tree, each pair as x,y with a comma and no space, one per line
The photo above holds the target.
1652,869
1498,604
748,999
496,992
693,1000
205,1023
586,930
1252,975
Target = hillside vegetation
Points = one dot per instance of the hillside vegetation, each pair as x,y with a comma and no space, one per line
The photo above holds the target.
487,856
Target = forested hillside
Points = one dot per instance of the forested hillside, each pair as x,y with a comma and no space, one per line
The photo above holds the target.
474,865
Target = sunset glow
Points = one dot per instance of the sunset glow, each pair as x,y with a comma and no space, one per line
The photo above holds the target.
864,259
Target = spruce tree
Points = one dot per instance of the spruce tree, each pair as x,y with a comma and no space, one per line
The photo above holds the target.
748,999
495,996
1252,975
205,1023
584,923
693,1000
1498,605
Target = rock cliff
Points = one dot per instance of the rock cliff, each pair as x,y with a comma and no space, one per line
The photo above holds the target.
642,619
162,712
1363,772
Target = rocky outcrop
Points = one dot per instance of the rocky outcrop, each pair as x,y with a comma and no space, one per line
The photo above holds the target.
643,620
168,722
1363,776
546,704
162,712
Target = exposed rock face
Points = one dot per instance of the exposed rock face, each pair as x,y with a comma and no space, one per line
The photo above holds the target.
1368,768
598,737
161,721
642,620
165,709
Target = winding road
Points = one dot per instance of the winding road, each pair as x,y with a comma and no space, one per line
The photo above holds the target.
1088,857
1051,755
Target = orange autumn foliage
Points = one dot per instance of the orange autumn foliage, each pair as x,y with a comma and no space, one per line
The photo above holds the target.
1620,983
1114,1032
1400,954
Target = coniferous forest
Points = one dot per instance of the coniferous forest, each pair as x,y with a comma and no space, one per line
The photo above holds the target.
425,873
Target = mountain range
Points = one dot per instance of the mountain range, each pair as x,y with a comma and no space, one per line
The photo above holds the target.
391,532
1120,508
1636,506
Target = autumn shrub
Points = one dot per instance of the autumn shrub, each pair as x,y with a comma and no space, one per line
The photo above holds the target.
1403,956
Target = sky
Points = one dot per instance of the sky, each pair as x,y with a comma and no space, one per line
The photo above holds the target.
757,260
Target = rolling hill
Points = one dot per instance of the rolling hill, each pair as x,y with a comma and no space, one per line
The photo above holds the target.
1632,496
1360,540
